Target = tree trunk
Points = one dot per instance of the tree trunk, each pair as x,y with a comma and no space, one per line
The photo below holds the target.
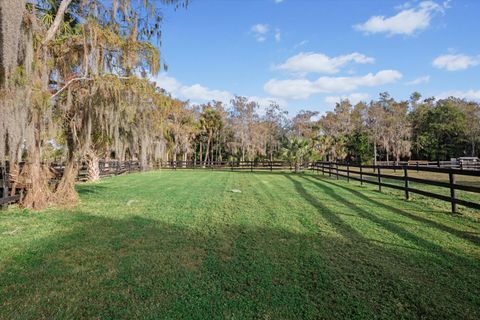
93,168
207,150
38,194
65,194
374,153
297,167
143,155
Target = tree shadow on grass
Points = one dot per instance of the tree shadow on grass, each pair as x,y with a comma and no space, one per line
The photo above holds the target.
90,188
384,223
461,234
142,268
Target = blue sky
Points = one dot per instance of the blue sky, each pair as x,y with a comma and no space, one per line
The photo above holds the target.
309,54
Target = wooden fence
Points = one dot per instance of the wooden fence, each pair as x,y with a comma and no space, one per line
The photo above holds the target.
11,194
233,165
460,164
370,174
403,174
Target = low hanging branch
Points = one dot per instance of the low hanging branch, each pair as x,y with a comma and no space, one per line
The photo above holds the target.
80,79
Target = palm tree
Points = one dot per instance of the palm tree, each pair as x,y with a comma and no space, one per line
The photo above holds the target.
297,150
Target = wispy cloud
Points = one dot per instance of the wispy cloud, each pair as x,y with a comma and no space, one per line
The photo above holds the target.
406,22
307,62
260,31
419,80
354,98
278,35
455,62
300,44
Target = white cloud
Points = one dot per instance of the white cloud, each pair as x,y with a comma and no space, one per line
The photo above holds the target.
198,93
354,98
305,62
304,88
455,62
406,22
278,35
419,80
300,44
194,92
468,95
260,31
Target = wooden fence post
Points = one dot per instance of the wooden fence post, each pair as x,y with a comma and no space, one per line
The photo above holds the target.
337,169
452,191
323,168
361,175
4,185
379,179
348,172
251,166
329,169
405,175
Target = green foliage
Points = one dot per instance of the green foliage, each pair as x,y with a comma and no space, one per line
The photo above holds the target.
442,133
360,149
297,150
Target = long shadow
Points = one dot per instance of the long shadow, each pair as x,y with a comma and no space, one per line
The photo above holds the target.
84,189
463,235
387,225
334,220
104,268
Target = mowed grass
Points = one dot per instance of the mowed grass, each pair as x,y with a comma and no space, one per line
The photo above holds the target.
181,245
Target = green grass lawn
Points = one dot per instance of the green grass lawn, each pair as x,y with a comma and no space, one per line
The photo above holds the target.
181,245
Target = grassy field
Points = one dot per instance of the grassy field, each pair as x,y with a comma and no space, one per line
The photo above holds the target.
181,245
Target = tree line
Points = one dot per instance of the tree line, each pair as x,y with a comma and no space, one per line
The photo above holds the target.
74,85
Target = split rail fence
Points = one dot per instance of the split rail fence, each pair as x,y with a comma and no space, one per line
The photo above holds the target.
404,176
381,175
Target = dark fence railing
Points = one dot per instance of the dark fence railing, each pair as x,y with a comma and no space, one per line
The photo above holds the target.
458,164
233,165
403,174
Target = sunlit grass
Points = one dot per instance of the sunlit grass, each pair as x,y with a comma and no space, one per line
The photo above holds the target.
182,245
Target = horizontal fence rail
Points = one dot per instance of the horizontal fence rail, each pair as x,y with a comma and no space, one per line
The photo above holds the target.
373,175
401,178
459,164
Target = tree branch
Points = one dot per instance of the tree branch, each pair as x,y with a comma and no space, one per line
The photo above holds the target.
78,79
56,23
